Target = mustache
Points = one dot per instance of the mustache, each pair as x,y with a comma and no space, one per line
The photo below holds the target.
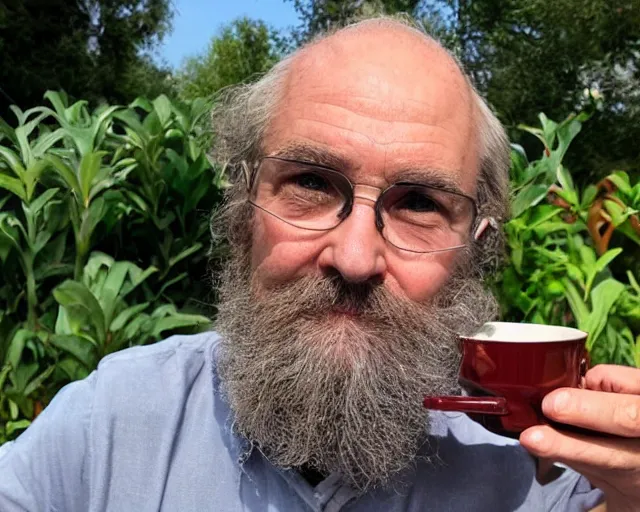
314,295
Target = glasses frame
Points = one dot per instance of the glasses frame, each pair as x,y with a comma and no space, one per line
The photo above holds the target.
250,175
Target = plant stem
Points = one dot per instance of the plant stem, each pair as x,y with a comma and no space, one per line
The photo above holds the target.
80,253
32,298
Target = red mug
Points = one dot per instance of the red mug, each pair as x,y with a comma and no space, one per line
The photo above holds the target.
508,368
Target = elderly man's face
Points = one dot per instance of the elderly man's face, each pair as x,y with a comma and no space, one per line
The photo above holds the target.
380,112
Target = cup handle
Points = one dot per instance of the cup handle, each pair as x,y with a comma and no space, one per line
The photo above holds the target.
494,405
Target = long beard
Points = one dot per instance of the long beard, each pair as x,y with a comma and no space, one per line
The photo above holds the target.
340,391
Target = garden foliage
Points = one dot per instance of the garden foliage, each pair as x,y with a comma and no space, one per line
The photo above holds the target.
564,244
104,230
104,236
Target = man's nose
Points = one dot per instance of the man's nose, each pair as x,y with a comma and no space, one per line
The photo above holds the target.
355,249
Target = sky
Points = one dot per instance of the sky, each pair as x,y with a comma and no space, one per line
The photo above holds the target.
195,22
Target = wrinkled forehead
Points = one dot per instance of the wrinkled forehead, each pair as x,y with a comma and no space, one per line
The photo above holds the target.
391,63
380,95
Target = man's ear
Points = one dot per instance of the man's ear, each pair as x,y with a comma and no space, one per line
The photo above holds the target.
483,225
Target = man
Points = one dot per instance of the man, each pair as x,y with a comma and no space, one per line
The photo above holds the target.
369,188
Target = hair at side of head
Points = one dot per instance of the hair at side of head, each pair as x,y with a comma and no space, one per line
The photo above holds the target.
242,113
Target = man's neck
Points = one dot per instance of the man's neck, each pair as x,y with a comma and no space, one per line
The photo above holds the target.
311,475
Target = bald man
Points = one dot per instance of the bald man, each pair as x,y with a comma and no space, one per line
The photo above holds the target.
369,185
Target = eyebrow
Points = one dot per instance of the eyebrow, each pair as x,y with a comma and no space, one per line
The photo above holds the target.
429,176
312,154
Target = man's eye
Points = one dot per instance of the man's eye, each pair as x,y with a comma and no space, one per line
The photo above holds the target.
311,181
418,202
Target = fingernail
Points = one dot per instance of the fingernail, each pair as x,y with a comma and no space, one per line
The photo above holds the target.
632,411
558,403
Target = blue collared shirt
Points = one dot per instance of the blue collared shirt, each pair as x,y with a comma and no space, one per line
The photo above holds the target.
149,431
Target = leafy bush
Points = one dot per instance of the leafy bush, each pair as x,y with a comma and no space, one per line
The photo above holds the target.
104,231
103,239
560,254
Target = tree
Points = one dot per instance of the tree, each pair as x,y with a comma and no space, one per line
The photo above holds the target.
532,56
529,56
93,49
243,50
318,16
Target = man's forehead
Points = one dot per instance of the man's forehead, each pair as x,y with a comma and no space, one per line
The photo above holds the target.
383,60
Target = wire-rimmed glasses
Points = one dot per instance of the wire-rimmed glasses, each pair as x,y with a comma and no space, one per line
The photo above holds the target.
412,217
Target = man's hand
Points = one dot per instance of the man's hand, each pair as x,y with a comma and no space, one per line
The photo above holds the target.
609,404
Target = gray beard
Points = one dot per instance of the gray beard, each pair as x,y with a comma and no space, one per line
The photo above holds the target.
335,392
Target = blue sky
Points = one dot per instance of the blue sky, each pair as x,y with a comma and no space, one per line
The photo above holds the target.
195,22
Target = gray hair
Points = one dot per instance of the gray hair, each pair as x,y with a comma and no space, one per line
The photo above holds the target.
242,113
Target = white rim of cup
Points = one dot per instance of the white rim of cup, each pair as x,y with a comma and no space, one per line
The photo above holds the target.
513,332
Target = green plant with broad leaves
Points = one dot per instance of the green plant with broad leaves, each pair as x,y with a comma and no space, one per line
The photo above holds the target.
95,318
560,256
103,213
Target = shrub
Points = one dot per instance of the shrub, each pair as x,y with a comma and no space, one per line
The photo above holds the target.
561,249
103,239
104,232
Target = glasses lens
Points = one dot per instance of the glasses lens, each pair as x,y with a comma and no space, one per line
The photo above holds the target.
424,219
301,194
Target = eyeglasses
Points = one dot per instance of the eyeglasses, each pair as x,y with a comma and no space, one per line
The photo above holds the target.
411,217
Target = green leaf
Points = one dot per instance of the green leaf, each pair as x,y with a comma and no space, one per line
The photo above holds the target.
22,375
38,203
58,101
14,426
80,303
89,167
537,132
13,160
619,214
177,321
578,306
33,386
519,160
604,260
142,103
125,315
171,282
79,347
23,143
46,141
91,218
633,282
13,185
131,120
32,175
566,182
603,297
16,346
184,254
162,106
588,196
529,196
621,180
137,329
74,369
588,257
66,173
108,297
598,267
566,132
13,410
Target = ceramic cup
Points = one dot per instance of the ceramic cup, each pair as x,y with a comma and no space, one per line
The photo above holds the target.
508,368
